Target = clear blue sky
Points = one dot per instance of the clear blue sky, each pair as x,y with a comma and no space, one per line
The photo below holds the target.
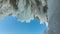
10,25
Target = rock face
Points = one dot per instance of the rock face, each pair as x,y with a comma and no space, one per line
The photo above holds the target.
14,3
54,16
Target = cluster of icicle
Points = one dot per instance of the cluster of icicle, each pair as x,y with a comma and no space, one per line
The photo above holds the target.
26,9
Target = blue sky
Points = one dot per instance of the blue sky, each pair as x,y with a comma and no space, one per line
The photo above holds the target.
10,25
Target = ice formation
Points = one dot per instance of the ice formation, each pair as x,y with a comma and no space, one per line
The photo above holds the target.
25,10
